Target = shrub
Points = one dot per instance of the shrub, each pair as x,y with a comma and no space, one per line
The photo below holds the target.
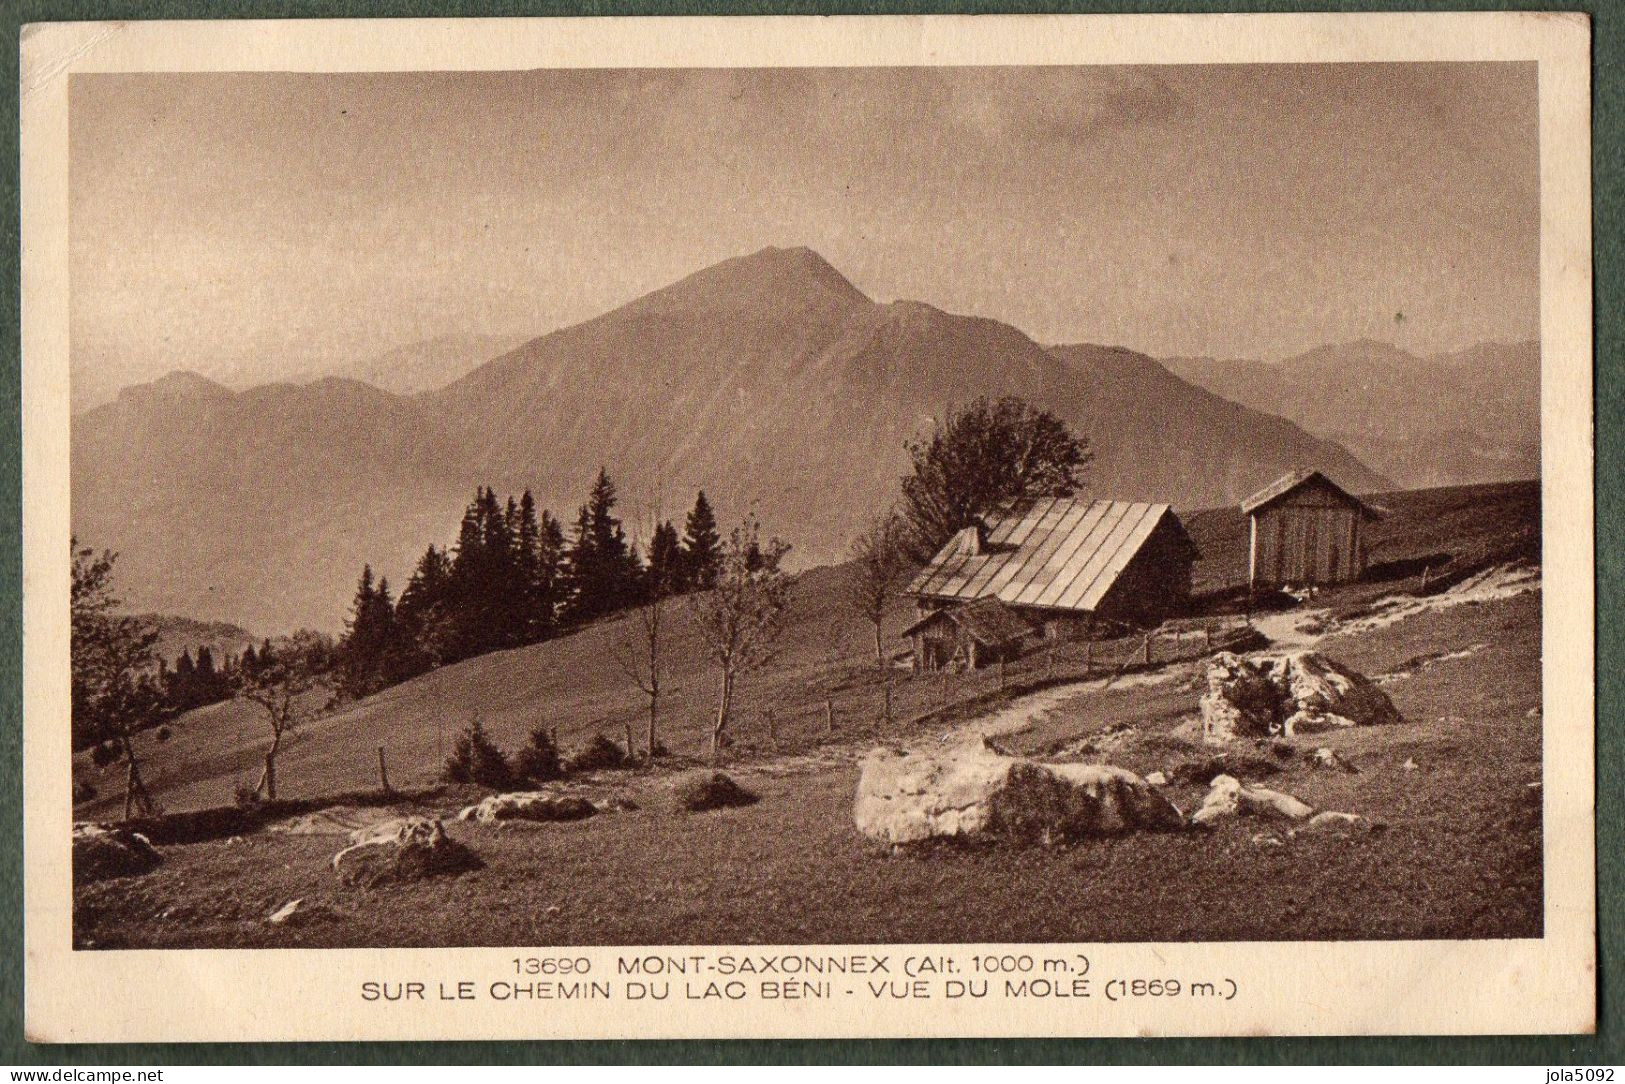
476,759
83,791
105,754
700,791
164,733
539,760
597,755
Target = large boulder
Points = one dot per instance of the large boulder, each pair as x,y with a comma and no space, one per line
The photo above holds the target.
529,806
974,792
101,851
407,849
1300,693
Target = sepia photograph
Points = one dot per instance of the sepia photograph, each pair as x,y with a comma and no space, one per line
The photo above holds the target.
819,505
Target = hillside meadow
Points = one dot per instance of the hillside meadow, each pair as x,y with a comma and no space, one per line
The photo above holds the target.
577,686
1454,850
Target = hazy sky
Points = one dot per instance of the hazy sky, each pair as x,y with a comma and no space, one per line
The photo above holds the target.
252,226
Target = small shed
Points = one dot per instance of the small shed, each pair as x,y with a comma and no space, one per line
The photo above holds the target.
1305,531
986,631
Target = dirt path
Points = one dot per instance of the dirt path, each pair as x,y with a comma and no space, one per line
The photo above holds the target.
1296,630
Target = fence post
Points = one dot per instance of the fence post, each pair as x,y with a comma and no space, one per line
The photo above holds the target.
1147,649
1088,657
383,771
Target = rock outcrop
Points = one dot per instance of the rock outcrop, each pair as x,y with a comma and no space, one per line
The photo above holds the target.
973,792
103,851
408,849
1300,693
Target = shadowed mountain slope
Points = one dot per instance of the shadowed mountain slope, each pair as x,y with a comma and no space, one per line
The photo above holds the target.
769,380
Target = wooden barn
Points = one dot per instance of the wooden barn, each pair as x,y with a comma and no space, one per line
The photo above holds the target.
1061,565
1305,531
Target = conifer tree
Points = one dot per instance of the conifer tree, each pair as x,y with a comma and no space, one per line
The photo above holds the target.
550,575
368,638
604,569
702,547
665,573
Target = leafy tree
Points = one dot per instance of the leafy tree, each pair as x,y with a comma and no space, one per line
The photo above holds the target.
878,570
284,683
741,618
981,456
702,546
113,694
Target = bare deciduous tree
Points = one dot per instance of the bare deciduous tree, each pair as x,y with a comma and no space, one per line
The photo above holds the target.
113,694
639,657
879,567
281,684
740,619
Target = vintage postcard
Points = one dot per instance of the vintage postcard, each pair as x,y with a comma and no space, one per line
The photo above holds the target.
917,526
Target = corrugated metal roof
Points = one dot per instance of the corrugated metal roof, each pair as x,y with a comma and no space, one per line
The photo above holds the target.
987,620
1291,481
1056,553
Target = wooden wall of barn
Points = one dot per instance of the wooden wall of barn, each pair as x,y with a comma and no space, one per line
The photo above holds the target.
1312,536
1156,583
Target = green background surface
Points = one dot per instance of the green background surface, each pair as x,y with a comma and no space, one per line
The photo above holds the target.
1605,1047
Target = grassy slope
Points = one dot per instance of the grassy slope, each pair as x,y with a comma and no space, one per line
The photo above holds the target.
576,685
1460,858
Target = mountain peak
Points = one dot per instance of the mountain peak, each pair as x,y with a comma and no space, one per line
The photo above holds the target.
178,384
774,278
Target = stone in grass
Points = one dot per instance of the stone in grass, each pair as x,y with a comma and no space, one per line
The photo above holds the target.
701,791
1329,760
408,849
104,851
528,806
1331,820
975,793
299,913
1229,797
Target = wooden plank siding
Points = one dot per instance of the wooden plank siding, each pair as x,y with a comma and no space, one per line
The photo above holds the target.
1310,536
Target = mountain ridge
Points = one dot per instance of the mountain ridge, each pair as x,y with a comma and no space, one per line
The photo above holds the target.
769,380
